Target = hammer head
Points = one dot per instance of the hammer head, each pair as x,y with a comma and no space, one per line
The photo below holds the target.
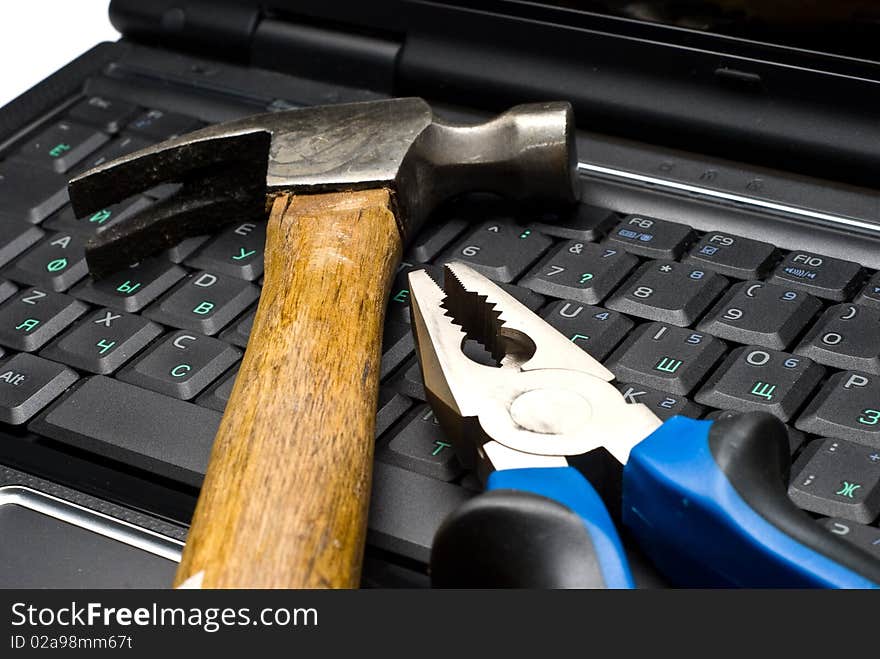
227,170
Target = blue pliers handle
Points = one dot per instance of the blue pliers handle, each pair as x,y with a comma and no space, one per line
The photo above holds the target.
706,501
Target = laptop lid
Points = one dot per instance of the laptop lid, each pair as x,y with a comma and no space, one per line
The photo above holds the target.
775,87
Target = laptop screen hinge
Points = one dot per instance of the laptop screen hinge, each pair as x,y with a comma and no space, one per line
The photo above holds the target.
328,52
193,26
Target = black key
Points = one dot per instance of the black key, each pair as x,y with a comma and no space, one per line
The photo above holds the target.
185,248
420,446
796,438
821,276
133,288
524,296
7,289
847,407
390,408
121,146
584,224
584,272
57,262
430,240
103,341
91,224
500,250
865,537
62,145
161,125
145,430
30,193
763,314
663,405
34,316
407,508
594,329
838,479
240,331
204,302
28,384
237,251
655,239
669,292
733,256
107,114
870,294
17,236
397,345
845,337
181,365
409,381
665,357
752,378
218,397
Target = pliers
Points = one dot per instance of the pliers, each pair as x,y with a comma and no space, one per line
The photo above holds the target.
706,501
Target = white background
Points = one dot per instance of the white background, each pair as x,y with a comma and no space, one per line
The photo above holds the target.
37,37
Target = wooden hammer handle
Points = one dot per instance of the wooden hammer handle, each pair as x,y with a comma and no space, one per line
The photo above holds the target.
285,499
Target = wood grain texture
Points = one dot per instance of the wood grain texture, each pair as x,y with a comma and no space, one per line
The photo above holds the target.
284,503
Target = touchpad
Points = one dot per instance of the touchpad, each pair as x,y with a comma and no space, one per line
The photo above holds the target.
48,543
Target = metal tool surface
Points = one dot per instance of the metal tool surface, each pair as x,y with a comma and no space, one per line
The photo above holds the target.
548,398
227,170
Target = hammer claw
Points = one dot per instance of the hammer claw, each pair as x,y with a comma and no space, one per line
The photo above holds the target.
191,211
239,159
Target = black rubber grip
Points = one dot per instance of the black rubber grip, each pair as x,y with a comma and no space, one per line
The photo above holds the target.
752,451
513,539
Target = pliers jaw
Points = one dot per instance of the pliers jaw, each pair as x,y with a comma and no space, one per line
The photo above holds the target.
547,399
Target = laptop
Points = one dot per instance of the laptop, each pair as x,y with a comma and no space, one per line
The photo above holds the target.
727,160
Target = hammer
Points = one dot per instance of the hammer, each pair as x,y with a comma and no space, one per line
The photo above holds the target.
285,498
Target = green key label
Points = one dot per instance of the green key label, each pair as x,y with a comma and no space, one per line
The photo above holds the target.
204,308
127,288
668,365
105,345
101,216
58,150
180,370
847,489
440,446
243,254
27,325
870,417
763,390
56,265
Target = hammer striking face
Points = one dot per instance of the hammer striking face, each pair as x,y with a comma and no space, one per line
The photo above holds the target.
285,498
227,170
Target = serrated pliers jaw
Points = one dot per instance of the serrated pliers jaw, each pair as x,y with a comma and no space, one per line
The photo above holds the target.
546,400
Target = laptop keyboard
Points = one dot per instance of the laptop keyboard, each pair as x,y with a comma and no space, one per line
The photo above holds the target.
136,369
